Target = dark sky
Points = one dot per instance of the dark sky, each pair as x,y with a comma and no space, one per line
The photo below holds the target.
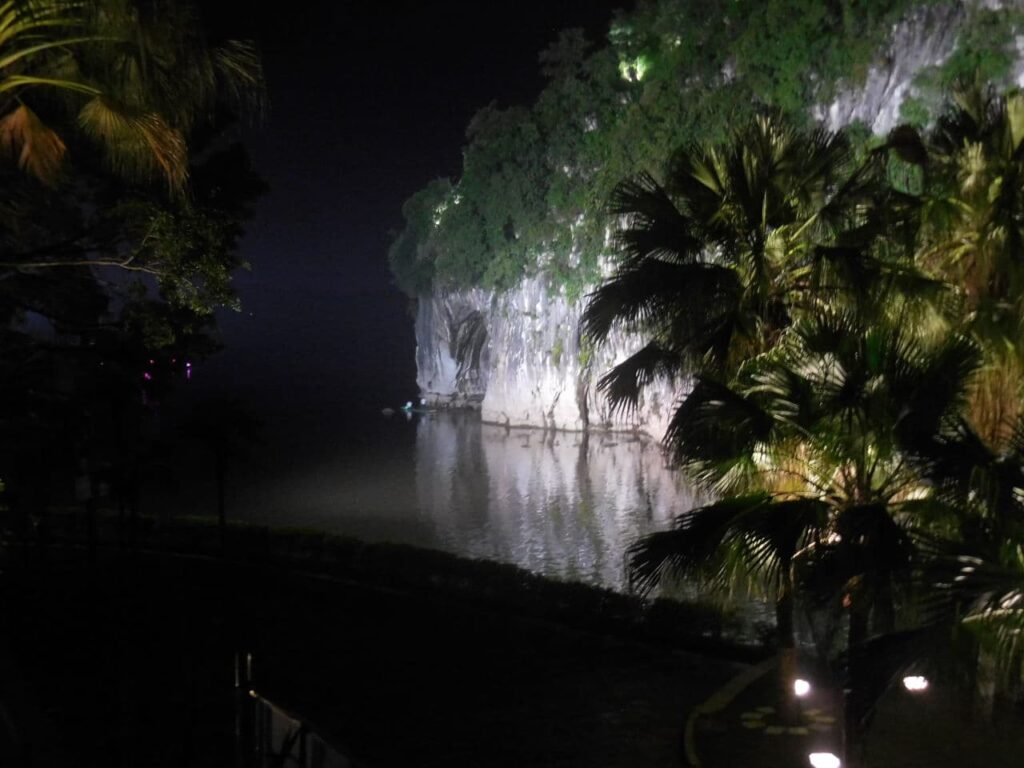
368,102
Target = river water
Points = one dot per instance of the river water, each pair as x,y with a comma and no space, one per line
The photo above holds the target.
563,504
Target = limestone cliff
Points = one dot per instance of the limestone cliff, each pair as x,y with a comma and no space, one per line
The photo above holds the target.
522,362
516,355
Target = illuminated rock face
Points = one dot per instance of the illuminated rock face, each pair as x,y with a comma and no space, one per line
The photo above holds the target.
530,369
441,319
926,38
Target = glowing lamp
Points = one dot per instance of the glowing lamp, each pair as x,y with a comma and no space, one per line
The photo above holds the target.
823,760
915,683
801,687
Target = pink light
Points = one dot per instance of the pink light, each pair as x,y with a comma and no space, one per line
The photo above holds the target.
147,376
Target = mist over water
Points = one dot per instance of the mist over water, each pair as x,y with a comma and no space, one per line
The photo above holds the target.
563,504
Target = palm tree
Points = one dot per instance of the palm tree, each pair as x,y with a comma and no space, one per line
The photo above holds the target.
757,536
720,266
807,450
717,260
974,229
137,76
973,572
968,587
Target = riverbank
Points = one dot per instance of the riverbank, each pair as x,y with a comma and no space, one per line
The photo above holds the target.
558,503
126,655
700,627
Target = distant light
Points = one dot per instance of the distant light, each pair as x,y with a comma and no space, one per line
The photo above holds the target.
147,376
915,683
824,760
801,687
634,71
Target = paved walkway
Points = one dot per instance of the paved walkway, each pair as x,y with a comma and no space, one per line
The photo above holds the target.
739,725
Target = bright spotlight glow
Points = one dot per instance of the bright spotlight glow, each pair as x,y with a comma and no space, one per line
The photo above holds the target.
915,683
823,760
801,687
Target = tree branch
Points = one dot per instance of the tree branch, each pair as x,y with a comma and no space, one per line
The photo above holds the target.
119,263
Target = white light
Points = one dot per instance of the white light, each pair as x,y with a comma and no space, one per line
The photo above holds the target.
824,760
915,683
801,687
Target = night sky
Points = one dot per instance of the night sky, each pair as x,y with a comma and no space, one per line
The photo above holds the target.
368,102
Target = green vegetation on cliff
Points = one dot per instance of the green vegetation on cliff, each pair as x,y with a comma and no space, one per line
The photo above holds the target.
536,179
985,53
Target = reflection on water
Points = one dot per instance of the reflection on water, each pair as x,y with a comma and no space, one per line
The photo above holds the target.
559,503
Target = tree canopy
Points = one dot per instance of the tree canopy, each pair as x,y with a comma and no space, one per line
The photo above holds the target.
124,201
536,178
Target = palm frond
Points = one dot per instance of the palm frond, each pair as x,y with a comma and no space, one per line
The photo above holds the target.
22,20
659,293
984,591
623,384
716,425
140,145
36,148
240,75
762,531
689,548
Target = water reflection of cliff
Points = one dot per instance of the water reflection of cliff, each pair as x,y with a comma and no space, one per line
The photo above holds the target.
559,503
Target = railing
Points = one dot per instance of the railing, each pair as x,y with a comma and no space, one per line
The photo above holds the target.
269,736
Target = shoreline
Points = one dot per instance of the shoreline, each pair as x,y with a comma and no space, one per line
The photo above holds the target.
508,425
477,584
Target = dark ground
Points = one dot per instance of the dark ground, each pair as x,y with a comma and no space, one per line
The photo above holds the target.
907,731
130,663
